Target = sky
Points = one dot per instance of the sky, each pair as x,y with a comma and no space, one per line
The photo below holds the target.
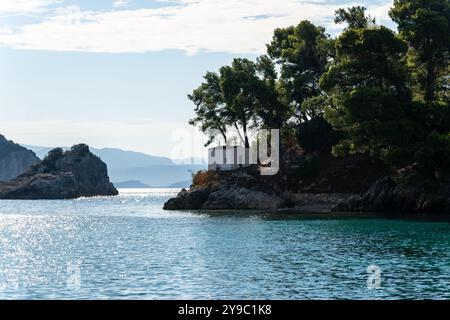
116,73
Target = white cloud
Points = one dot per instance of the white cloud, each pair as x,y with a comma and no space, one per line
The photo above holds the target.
381,13
120,3
233,26
24,6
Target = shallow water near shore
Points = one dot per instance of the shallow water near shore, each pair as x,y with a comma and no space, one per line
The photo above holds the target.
127,247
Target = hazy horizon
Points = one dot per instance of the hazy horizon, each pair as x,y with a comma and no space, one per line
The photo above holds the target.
35,147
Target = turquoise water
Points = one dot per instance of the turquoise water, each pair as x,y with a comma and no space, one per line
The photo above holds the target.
127,247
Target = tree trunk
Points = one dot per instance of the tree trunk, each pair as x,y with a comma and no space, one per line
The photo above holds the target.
239,132
430,89
430,81
244,127
223,135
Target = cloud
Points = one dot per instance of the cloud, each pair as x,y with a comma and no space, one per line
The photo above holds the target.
120,3
24,6
381,13
233,26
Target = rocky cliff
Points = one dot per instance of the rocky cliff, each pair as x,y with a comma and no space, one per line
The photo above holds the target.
325,182
62,175
245,189
14,159
237,189
224,199
387,196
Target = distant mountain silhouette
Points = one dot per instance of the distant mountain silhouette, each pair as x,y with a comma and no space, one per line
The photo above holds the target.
133,184
115,158
156,176
191,160
124,166
181,184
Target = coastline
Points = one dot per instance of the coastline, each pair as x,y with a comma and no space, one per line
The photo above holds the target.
243,189
308,214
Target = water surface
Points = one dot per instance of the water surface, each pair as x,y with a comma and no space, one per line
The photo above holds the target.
127,247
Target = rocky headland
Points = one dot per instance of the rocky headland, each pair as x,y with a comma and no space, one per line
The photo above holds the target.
14,159
352,184
62,175
246,189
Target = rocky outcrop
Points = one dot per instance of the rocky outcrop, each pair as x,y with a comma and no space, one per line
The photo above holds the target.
313,199
62,175
242,198
245,188
239,189
186,200
224,198
14,159
386,196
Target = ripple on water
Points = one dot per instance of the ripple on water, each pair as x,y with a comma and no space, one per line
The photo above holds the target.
128,247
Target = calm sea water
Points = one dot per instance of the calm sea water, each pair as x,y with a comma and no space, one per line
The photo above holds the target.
127,247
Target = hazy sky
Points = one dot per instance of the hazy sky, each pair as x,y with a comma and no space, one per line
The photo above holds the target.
116,73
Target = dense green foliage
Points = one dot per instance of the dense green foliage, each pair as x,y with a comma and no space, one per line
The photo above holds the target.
355,17
210,111
240,95
424,25
317,135
370,90
368,86
303,53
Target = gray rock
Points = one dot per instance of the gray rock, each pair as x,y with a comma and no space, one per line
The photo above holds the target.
388,197
241,198
62,175
186,200
14,159
223,198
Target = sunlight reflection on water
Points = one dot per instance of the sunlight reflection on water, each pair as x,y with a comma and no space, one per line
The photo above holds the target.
128,247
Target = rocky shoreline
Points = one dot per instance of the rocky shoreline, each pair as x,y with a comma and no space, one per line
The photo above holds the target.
244,190
228,198
387,196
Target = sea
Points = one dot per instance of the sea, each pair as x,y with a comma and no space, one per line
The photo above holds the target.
128,247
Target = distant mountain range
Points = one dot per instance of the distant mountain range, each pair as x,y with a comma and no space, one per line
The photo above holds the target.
132,184
116,158
192,160
181,184
129,169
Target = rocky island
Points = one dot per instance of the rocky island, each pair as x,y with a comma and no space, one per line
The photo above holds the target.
62,175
